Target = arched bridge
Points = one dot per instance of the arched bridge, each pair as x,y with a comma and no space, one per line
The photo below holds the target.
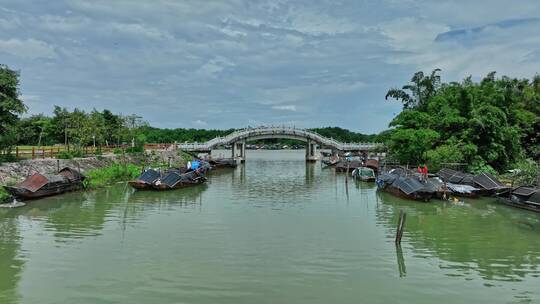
238,139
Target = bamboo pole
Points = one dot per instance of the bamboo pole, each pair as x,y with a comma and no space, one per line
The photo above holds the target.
400,227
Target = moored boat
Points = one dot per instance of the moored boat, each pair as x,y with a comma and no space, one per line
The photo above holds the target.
145,180
180,178
372,164
348,166
403,183
364,174
219,163
41,185
522,197
177,180
464,184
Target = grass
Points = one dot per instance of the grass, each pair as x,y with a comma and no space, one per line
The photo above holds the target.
4,196
114,173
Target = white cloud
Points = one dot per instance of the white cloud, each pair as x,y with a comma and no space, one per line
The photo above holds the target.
200,122
291,108
28,48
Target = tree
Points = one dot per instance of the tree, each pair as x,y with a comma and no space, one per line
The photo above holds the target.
489,124
410,145
11,106
421,89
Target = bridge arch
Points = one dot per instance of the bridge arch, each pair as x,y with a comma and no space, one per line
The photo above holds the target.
238,140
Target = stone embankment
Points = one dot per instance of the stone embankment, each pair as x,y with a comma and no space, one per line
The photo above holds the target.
16,171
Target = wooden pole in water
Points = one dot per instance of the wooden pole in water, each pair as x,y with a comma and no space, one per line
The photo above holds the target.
400,227
57,165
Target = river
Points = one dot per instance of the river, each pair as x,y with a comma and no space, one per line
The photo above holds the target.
275,230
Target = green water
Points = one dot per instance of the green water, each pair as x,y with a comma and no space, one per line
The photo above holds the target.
276,230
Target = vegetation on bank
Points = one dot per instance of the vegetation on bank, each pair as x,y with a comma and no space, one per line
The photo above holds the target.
114,173
489,125
4,196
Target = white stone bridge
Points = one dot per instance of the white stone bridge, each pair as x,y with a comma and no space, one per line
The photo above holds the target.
238,141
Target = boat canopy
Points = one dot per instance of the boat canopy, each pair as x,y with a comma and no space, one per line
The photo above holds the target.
408,185
488,181
173,178
149,176
460,188
36,181
524,191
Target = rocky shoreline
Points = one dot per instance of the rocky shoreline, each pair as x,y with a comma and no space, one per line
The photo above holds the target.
13,172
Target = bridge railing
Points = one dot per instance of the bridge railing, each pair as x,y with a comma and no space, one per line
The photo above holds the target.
279,130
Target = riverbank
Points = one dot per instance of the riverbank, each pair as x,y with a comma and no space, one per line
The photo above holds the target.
100,170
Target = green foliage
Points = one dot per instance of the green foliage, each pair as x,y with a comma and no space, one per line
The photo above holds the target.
69,154
10,108
411,145
495,122
480,166
527,173
343,135
185,156
116,172
447,153
4,196
136,149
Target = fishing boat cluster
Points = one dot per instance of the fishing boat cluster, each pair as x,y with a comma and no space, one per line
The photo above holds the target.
67,179
174,178
446,184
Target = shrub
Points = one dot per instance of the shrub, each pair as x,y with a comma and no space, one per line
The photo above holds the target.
480,166
4,196
527,173
107,175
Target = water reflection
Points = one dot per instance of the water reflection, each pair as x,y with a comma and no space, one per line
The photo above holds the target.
400,261
11,262
479,237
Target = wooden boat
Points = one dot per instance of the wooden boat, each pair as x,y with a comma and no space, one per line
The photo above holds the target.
331,161
348,166
522,197
145,180
406,185
177,180
372,164
364,174
223,163
483,184
41,185
180,178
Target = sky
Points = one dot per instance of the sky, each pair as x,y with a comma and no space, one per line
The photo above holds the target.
232,64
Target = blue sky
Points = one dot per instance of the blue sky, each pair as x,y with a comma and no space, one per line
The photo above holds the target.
225,64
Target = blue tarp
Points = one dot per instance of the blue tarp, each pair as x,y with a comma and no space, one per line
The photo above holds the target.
195,164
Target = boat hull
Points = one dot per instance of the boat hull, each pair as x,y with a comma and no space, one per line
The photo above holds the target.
162,187
417,196
525,206
139,185
23,194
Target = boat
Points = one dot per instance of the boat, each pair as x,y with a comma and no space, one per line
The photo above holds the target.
219,163
372,164
406,184
195,174
145,180
464,184
177,180
331,161
364,174
522,197
348,166
41,185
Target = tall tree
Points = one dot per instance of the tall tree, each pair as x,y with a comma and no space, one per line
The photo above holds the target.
11,106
